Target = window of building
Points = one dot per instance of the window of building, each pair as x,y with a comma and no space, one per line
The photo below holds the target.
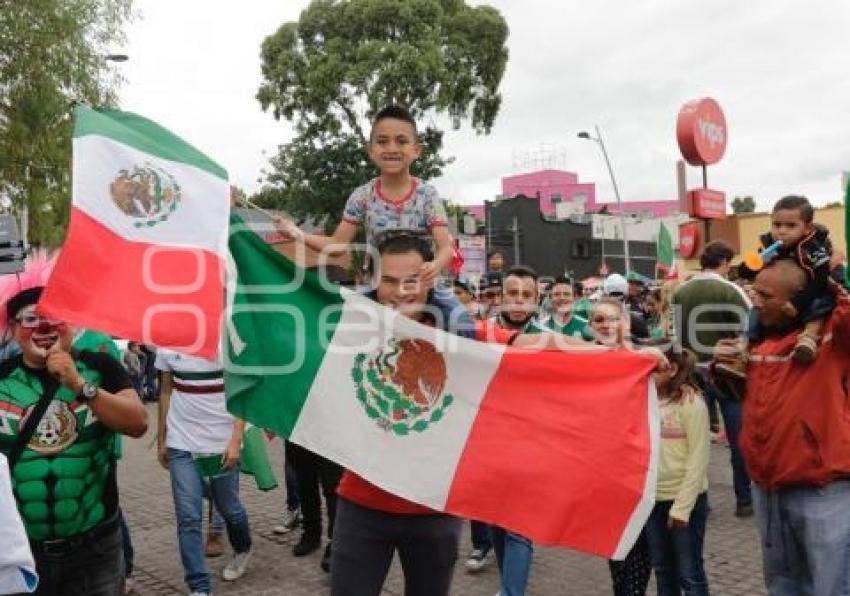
580,248
556,198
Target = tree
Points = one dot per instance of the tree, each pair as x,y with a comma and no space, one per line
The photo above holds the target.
743,205
344,60
52,54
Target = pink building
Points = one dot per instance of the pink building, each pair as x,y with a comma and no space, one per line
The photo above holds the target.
553,187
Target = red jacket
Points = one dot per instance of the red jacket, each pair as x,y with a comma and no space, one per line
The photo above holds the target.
796,424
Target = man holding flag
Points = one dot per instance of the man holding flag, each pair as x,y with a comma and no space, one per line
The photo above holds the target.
426,431
60,414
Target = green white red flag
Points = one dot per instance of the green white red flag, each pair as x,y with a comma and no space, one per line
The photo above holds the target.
559,447
145,250
665,255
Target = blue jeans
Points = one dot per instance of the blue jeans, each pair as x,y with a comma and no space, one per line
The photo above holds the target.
805,536
187,488
731,410
676,555
513,555
480,534
214,518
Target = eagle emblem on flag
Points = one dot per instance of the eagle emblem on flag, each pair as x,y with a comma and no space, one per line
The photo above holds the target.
146,193
402,385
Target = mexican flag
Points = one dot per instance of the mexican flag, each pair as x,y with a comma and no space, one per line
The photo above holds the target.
559,447
664,251
143,258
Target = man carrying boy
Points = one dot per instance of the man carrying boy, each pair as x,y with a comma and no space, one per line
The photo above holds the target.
794,439
372,524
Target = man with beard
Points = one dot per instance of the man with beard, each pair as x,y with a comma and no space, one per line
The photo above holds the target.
520,300
61,411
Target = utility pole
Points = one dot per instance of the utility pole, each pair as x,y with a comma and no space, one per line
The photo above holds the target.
601,143
516,241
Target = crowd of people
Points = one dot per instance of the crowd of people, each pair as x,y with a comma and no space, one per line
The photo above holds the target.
762,361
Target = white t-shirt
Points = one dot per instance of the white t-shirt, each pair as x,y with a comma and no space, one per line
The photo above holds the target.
198,420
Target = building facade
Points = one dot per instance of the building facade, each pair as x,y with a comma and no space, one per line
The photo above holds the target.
526,236
561,191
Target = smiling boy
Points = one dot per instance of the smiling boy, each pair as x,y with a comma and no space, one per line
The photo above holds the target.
394,201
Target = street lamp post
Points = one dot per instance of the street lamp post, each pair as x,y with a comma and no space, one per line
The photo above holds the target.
598,139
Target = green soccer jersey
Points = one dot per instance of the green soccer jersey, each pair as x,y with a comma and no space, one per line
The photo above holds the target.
576,327
64,481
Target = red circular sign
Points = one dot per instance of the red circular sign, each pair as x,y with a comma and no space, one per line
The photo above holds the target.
688,239
701,132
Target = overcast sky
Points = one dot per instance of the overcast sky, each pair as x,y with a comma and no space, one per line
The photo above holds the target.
780,69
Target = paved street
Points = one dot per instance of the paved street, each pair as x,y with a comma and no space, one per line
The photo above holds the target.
732,551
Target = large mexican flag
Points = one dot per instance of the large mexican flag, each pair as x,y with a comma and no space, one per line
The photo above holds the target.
560,447
145,250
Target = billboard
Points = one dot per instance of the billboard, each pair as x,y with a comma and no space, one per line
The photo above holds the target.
474,251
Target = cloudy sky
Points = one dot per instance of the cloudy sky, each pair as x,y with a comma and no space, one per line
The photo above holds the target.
780,70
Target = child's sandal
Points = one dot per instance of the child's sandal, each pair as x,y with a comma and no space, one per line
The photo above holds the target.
806,349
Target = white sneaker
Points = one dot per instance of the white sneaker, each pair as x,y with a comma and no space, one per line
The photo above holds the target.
477,561
200,594
235,568
291,520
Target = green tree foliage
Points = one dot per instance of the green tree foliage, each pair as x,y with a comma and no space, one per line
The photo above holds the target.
743,205
344,60
52,53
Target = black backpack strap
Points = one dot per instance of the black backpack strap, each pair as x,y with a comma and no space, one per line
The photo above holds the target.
26,432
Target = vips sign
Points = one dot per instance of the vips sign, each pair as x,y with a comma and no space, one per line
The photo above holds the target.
701,132
707,204
702,135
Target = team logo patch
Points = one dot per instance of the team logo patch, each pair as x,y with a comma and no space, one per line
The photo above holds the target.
147,193
56,430
401,386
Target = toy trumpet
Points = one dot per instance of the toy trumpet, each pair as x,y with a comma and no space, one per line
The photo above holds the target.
755,261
